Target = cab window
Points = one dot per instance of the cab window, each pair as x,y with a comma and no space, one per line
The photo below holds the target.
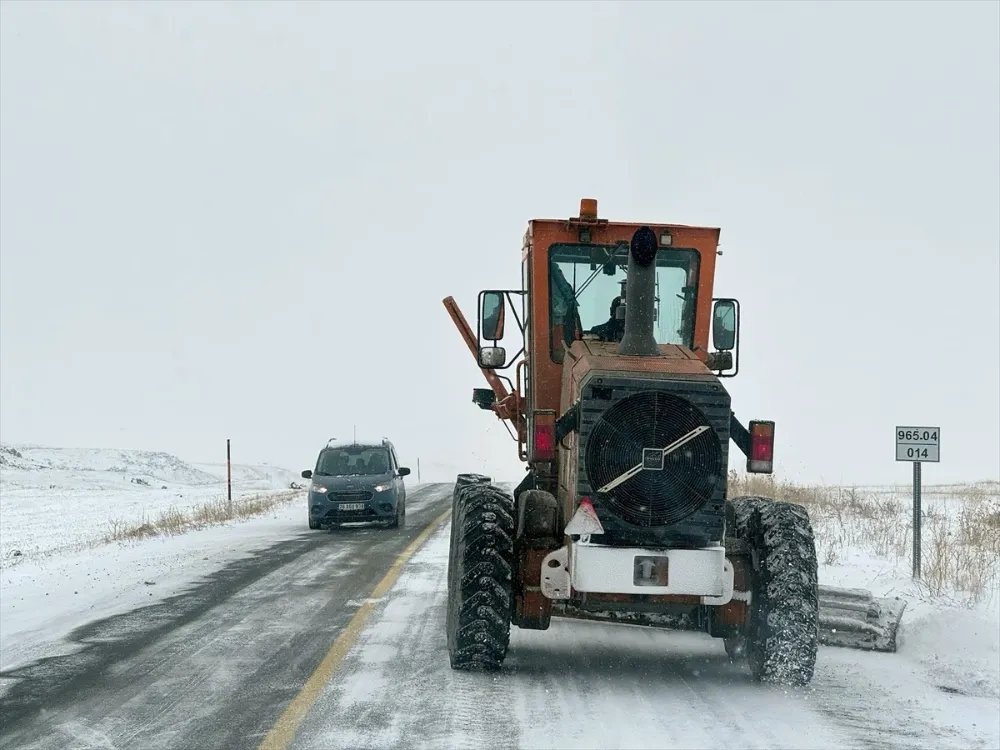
586,281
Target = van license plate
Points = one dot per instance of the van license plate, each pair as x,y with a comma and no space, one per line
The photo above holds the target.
352,506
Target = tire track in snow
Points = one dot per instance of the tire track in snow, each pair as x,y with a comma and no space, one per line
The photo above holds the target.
892,706
578,684
388,690
585,684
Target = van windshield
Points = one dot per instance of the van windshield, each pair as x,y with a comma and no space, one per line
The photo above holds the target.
354,460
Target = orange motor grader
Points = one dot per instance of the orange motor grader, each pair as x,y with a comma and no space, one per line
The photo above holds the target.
618,408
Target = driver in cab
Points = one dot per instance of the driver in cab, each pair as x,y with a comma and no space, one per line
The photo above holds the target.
614,328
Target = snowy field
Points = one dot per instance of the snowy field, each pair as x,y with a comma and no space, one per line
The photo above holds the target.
864,537
62,500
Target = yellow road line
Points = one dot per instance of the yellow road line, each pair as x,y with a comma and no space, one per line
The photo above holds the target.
285,728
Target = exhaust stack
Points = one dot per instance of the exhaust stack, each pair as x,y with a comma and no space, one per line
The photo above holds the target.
640,289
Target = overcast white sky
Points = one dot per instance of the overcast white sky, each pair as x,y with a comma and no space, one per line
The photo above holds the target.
239,220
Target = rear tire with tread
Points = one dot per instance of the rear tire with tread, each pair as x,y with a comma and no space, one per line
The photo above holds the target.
480,577
783,637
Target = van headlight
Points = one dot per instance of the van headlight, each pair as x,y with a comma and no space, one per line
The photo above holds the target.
383,487
319,488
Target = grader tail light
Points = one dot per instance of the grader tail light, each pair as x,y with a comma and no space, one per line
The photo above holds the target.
761,459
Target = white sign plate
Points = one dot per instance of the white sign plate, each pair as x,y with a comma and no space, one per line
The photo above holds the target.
918,444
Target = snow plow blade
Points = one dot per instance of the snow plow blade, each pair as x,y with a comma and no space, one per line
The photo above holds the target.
854,618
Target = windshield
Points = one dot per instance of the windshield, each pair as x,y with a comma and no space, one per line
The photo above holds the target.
352,461
588,281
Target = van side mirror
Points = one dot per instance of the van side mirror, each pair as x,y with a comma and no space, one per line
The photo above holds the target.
724,325
307,474
491,316
403,471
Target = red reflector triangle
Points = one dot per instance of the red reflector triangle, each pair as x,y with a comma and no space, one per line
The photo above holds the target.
585,520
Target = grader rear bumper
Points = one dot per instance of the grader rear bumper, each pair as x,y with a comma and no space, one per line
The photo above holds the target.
855,618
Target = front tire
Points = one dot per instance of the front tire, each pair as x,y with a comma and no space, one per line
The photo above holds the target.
463,480
400,519
783,637
480,577
460,482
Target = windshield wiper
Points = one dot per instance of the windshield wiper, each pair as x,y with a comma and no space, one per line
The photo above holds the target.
599,270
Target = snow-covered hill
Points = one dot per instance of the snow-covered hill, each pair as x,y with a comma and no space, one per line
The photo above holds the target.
39,466
63,498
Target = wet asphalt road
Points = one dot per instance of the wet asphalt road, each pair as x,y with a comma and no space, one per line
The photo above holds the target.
215,666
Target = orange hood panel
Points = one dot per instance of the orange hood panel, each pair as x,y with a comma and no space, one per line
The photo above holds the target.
584,356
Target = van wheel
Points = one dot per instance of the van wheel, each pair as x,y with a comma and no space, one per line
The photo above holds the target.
400,517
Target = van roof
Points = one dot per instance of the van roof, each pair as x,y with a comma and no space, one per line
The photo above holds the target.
365,443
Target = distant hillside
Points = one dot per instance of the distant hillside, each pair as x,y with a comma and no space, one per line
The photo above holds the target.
23,465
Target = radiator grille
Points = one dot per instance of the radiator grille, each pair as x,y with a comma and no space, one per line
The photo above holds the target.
623,417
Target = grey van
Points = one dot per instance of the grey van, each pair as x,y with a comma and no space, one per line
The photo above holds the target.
357,482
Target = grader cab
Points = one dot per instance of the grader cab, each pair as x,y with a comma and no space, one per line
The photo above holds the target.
618,409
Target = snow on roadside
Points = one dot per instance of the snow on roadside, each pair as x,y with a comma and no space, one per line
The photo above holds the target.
957,645
43,600
55,500
950,630
948,646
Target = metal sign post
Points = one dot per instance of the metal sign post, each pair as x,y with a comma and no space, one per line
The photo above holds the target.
917,513
917,444
229,480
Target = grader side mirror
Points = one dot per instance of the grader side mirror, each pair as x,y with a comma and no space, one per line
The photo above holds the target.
492,316
719,361
492,357
724,325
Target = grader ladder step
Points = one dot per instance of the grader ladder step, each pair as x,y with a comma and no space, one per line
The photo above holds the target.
855,618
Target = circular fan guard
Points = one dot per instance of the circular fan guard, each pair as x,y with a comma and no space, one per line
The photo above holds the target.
689,476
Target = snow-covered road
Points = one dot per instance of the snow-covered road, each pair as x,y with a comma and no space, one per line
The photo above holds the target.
591,685
216,662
